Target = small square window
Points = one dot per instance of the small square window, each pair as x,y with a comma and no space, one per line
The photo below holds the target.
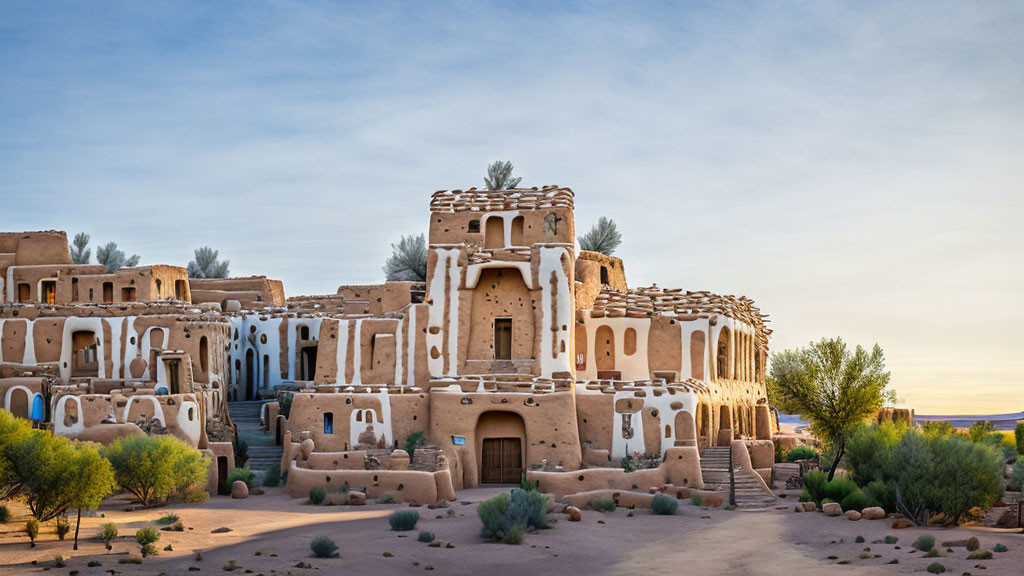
474,226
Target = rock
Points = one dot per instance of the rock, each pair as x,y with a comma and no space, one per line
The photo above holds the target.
711,499
798,508
356,498
221,530
810,506
441,544
900,523
239,490
853,515
168,548
971,543
306,448
873,513
832,509
574,513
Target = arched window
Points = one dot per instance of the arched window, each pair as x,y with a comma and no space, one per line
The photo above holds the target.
724,354
517,232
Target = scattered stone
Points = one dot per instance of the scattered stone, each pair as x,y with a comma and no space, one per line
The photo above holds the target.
853,515
832,509
356,498
873,513
971,544
810,506
239,490
901,523
221,530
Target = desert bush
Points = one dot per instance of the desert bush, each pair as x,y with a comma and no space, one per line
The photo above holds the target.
924,542
32,530
59,562
425,536
881,494
146,537
402,520
491,512
5,514
1000,548
62,526
317,495
856,500
801,453
323,547
244,474
13,432
1018,435
890,539
980,555
935,568
603,504
526,509
109,534
937,428
869,451
818,489
54,474
190,476
696,500
980,430
513,535
527,485
167,519
385,499
272,477
413,441
663,505
152,467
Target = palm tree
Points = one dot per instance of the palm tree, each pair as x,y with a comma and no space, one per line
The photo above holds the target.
408,260
499,176
206,264
81,254
604,237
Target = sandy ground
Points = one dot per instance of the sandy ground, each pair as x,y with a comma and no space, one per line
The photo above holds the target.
271,534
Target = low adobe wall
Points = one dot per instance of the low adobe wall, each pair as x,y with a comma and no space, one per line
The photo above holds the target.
680,468
417,488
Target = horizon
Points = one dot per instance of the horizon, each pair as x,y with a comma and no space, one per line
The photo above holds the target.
856,175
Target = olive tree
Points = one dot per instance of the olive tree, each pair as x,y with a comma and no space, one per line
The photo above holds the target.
832,387
152,467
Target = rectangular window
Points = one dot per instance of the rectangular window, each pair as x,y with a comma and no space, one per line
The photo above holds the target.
502,338
474,227
24,292
328,422
49,289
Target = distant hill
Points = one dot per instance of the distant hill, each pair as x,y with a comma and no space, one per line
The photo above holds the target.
1001,421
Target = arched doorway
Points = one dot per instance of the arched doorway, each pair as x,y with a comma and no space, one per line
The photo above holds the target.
501,438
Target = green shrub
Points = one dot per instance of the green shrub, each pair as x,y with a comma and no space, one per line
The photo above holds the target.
323,547
526,509
1018,435
1000,548
663,505
980,431
168,519
514,535
859,539
527,485
933,553
402,520
243,474
801,453
59,562
146,537
152,467
385,499
425,536
272,477
491,511
937,428
890,539
696,500
32,530
109,533
603,504
924,542
780,452
980,555
839,488
881,494
284,403
63,526
814,485
857,500
1018,474
935,568
5,515
869,451
414,441
317,495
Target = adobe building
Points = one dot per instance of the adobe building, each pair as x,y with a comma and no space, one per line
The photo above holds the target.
518,356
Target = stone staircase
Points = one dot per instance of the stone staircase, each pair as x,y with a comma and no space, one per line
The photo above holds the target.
741,486
262,452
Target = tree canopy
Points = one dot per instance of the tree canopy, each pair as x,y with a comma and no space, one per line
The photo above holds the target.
152,467
80,254
408,260
114,259
206,265
499,176
830,386
13,431
604,237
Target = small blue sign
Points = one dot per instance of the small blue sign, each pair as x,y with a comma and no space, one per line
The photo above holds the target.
459,440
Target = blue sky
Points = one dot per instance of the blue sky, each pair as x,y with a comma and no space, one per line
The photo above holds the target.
856,168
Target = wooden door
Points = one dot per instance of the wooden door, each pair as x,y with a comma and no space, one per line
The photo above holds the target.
503,338
501,461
